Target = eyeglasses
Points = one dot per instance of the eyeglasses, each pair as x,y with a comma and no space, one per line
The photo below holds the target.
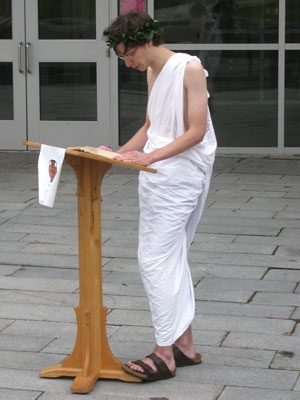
128,56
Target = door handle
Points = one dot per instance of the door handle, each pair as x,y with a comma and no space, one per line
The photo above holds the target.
28,57
20,66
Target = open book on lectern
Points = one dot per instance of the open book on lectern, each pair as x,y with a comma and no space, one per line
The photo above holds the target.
95,150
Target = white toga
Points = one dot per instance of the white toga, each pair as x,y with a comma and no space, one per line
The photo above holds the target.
171,204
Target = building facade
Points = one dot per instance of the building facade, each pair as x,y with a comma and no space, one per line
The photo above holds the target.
60,85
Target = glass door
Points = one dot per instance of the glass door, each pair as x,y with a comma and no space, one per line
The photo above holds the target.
12,75
56,82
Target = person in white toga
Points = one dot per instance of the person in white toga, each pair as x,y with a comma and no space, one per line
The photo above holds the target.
178,140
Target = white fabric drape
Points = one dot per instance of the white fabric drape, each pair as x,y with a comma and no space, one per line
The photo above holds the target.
171,204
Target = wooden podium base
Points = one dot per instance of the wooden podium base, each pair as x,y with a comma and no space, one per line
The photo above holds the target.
91,358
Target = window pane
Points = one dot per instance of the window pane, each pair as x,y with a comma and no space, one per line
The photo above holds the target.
292,34
6,91
68,91
292,99
243,102
132,101
68,19
243,88
5,19
218,21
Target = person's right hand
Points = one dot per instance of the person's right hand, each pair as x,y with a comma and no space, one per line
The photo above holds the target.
105,148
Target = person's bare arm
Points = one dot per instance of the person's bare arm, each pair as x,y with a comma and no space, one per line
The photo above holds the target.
195,119
138,141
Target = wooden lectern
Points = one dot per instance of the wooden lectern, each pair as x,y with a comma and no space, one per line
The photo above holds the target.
91,358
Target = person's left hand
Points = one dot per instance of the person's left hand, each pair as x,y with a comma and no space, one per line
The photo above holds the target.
135,157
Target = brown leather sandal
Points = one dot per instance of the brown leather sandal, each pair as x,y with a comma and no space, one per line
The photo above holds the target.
149,374
182,360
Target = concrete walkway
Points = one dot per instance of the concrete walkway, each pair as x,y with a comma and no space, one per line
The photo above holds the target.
245,263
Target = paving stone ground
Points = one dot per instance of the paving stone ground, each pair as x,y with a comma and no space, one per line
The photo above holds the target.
245,263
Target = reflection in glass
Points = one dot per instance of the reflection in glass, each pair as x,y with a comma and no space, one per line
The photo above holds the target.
68,91
132,101
6,91
218,21
292,34
243,102
292,99
5,19
243,88
74,19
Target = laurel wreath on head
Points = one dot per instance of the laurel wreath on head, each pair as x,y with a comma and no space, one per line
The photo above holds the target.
143,33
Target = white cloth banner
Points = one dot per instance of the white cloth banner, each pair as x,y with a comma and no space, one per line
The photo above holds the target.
49,168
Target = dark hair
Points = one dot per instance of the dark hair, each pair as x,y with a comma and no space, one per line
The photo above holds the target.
134,28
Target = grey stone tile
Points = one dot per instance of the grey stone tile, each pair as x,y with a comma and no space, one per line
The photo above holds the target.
4,323
297,330
125,302
64,238
25,380
238,213
41,329
297,290
122,265
289,252
263,341
49,260
216,295
277,299
213,238
271,204
6,270
236,357
296,314
275,241
27,360
243,324
11,236
229,271
22,343
286,361
65,274
243,310
123,277
37,312
290,233
173,389
127,317
234,248
11,394
241,376
59,345
47,285
123,289
52,231
297,386
34,297
126,252
11,246
37,248
248,284
240,393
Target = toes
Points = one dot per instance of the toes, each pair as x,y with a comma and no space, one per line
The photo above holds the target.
135,367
